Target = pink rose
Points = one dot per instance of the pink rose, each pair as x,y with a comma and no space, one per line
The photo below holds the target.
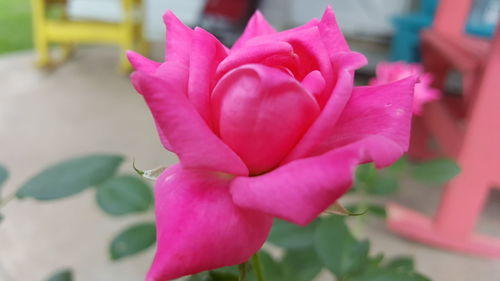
272,127
388,72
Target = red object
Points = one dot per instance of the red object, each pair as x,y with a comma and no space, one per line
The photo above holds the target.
234,10
466,128
226,19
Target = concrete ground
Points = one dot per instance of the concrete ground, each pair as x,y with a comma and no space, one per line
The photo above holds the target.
85,106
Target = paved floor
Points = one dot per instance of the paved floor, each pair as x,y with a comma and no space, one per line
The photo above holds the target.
86,106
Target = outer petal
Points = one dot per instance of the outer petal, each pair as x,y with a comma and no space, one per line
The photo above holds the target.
257,26
299,191
141,63
262,112
331,34
323,127
190,137
384,112
179,38
199,227
206,54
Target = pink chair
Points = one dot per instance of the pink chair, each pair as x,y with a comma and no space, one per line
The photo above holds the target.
446,47
470,134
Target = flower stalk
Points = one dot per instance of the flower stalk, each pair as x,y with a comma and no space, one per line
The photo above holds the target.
242,268
257,267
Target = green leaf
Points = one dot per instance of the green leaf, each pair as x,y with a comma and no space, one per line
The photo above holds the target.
365,173
124,195
70,177
377,210
216,275
337,248
4,174
387,274
272,269
301,264
228,269
382,185
200,277
133,240
398,167
402,263
63,275
339,210
292,236
222,276
436,171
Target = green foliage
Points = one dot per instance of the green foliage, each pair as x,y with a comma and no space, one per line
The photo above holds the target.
386,182
352,261
63,275
301,265
4,174
291,236
370,181
338,249
70,177
332,247
383,185
436,171
214,276
398,167
377,210
133,240
124,195
373,209
397,269
272,268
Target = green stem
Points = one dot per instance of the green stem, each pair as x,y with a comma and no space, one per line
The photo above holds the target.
364,200
242,268
257,267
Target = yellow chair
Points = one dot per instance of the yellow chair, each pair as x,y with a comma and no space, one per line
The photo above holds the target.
128,33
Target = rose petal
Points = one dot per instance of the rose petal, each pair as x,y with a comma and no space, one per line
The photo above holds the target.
314,82
424,93
179,38
272,54
141,63
345,64
199,227
392,71
300,190
331,34
148,66
384,111
206,53
189,135
262,112
308,47
257,26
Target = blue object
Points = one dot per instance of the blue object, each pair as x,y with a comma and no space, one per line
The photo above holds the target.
406,41
483,18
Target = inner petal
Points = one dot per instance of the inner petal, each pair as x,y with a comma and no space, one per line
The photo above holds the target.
314,83
262,113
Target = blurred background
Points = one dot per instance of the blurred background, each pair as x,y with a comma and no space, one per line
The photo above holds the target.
64,91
